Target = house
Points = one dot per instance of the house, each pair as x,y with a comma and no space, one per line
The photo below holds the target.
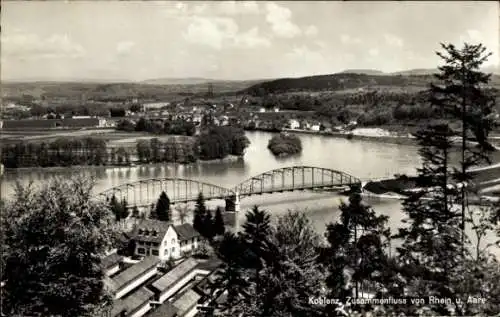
262,110
154,106
294,124
164,240
132,277
174,280
305,124
315,127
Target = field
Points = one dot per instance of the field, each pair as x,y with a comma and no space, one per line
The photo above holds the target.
114,138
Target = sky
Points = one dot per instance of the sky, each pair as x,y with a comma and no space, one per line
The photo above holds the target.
133,41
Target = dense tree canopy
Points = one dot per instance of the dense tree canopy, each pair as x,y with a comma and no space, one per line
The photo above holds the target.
54,237
285,144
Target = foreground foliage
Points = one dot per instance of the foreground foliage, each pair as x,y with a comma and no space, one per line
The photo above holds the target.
53,239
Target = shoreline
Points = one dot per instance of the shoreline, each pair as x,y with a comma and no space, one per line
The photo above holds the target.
227,159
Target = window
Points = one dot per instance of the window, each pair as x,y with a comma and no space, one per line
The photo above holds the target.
141,250
173,240
173,250
155,252
141,231
165,251
155,233
146,233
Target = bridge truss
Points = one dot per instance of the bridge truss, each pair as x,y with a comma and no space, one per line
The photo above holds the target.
295,178
147,192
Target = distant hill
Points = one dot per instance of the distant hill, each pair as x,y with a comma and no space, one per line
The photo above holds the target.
363,71
354,79
177,81
337,82
416,72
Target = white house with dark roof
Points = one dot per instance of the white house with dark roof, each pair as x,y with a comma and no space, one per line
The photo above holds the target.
164,240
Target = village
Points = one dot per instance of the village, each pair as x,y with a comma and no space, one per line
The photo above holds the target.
164,274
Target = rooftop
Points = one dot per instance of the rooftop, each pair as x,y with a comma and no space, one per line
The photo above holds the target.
134,272
186,301
132,302
111,260
175,274
165,310
186,232
151,230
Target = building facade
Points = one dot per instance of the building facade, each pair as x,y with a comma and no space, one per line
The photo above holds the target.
164,240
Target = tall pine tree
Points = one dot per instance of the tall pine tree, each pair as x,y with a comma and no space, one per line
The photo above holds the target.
432,240
199,213
356,249
163,207
219,228
460,93
208,225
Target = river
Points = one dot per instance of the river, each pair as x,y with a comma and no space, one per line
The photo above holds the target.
363,159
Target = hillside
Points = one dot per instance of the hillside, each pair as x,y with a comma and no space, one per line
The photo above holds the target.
346,81
114,91
336,82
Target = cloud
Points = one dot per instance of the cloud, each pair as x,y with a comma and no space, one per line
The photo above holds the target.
472,37
31,46
393,40
221,32
211,32
251,39
124,47
347,39
280,19
373,52
235,8
311,30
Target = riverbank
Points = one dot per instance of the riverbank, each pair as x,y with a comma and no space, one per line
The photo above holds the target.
227,159
381,135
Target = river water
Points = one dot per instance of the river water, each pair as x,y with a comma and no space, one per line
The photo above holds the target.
363,159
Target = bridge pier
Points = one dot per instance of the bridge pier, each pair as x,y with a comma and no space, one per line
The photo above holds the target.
232,210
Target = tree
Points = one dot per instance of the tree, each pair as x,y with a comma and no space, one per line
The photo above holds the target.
294,275
219,228
460,94
118,208
182,212
163,208
356,249
135,212
208,225
199,213
278,277
54,239
432,245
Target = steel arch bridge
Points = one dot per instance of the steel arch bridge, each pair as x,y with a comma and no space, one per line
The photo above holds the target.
295,178
146,192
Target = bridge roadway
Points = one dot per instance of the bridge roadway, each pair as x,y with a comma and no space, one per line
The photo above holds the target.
179,190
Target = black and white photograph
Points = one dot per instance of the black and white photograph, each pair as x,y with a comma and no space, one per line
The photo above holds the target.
249,158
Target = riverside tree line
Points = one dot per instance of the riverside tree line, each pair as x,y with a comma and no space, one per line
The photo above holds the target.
213,143
53,236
